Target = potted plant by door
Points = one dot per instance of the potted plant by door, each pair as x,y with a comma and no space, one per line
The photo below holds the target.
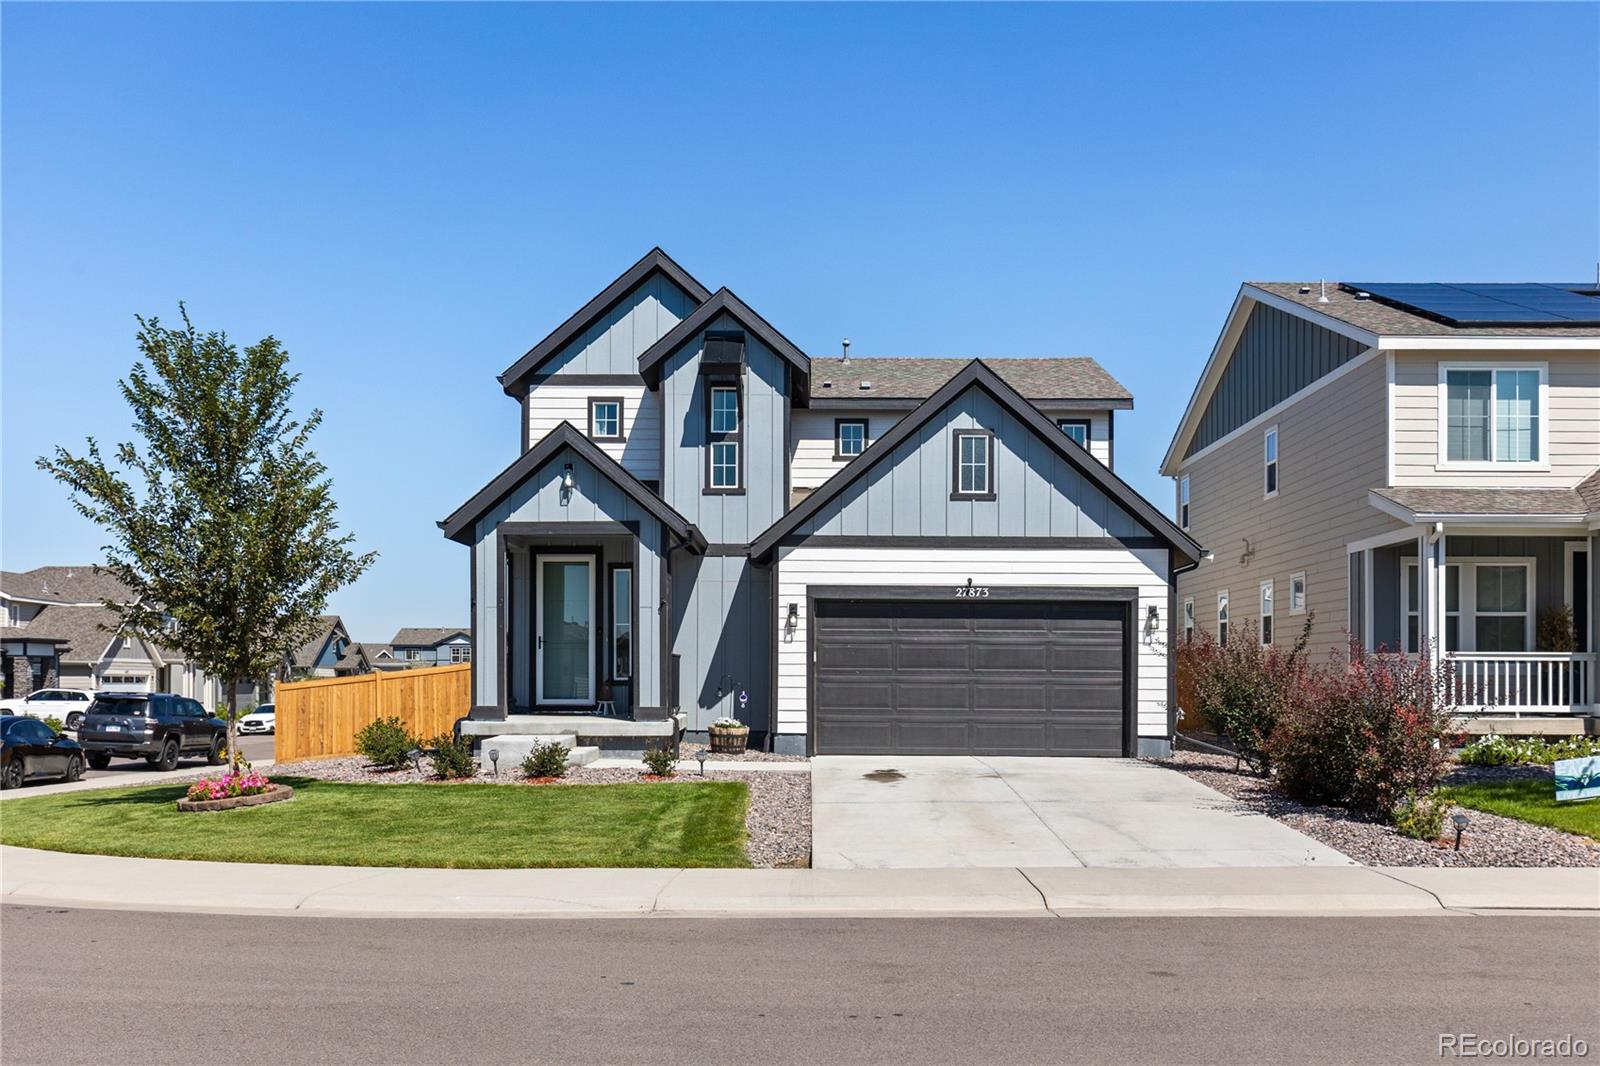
729,736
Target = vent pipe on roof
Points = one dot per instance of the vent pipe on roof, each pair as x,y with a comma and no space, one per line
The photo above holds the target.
847,351
1324,297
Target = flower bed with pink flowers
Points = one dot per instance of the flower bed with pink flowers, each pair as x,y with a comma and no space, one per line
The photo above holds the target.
247,789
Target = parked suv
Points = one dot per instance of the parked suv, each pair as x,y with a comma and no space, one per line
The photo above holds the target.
157,726
67,704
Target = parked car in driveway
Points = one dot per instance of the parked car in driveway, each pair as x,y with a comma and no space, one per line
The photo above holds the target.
264,719
155,726
67,704
29,749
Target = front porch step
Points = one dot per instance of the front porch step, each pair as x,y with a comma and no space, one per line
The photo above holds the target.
513,748
573,725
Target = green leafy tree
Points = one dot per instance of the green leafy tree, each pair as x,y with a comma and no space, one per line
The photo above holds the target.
223,519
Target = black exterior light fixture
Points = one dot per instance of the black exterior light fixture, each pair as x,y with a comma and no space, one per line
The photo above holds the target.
567,482
701,755
494,760
792,619
415,755
1461,826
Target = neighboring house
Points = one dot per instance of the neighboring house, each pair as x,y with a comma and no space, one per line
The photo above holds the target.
1404,463
358,658
417,647
58,633
913,556
320,655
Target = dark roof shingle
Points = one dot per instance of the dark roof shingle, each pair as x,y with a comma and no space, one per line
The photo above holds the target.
419,637
1472,501
64,584
1384,320
917,378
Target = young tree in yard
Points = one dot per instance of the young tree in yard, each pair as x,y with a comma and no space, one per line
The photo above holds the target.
223,520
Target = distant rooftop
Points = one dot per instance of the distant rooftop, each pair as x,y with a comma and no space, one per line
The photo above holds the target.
1391,316
917,378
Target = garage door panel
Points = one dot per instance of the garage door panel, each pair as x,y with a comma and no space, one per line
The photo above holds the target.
969,677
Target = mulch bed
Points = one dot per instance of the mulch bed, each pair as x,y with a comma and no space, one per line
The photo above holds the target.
777,822
1490,840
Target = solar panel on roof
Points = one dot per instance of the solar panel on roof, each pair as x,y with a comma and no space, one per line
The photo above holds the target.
1488,304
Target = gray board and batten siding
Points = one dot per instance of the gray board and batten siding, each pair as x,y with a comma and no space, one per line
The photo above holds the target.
1276,356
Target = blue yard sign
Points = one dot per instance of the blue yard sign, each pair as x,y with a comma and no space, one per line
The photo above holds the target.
1578,779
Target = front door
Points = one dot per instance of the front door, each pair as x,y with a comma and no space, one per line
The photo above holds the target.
564,629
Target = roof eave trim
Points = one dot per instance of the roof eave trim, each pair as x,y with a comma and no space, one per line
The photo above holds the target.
458,525
980,375
1475,518
654,261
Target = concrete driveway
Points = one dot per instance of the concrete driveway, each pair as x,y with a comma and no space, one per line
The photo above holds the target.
944,811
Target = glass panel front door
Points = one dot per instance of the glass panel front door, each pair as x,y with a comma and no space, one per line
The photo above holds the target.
565,637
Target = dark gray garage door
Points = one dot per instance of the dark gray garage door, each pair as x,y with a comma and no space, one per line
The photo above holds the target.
970,677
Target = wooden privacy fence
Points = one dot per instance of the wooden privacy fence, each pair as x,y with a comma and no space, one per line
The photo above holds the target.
322,717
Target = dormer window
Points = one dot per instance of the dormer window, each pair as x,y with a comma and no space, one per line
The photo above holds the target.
972,473
605,418
724,438
849,438
1076,428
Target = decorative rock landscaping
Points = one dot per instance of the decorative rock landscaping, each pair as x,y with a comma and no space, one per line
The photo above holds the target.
1489,840
275,793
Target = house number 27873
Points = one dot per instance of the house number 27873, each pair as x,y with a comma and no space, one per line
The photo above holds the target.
969,592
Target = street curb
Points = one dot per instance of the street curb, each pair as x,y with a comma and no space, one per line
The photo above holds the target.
58,879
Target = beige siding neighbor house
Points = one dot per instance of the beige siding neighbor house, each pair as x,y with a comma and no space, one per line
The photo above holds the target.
1413,467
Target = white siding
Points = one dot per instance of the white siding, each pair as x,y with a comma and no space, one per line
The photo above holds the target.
804,566
1574,420
550,404
811,460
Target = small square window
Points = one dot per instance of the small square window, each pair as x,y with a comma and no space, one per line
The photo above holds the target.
1076,428
849,438
974,465
605,419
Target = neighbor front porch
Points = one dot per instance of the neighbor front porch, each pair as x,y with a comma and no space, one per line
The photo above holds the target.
1510,615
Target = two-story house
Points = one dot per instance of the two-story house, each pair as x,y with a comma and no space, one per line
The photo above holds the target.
1414,466
420,646
916,556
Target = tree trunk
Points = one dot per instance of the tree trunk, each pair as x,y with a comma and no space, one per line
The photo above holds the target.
233,725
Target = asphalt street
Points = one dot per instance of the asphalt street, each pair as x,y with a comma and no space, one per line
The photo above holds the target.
107,987
128,771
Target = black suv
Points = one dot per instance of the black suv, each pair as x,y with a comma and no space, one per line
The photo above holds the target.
157,726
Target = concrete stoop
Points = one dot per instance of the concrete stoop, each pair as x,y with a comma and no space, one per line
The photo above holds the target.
511,748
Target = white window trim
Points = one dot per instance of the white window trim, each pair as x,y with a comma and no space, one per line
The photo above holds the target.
1297,578
1268,612
1441,462
1188,619
1272,465
1183,502
1223,624
1468,612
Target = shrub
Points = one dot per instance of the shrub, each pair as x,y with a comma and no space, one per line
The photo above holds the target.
661,760
1495,750
1556,631
386,743
1421,817
56,725
1365,732
1242,689
546,760
451,757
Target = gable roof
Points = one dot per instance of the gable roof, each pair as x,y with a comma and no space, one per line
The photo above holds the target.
83,633
723,301
1384,319
307,654
1073,379
458,526
655,261
63,584
419,637
978,374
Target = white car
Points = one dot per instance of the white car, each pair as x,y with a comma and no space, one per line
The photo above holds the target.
67,704
264,719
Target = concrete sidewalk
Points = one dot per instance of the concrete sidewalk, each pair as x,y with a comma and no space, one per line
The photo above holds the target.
58,879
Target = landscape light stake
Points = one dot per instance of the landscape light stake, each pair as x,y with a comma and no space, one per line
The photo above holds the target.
702,758
415,755
494,760
1461,824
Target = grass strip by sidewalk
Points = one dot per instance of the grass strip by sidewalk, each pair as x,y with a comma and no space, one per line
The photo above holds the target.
458,826
1529,800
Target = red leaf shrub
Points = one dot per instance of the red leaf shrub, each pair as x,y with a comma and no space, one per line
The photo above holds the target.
1364,733
1241,690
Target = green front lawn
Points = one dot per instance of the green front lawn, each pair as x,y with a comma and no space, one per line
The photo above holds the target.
1529,801
464,826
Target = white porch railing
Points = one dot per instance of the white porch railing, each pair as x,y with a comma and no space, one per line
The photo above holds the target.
1536,682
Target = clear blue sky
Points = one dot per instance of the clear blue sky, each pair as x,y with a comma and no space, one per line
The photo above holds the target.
410,196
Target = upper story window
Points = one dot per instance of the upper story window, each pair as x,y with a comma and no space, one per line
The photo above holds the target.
724,438
605,418
972,477
1269,458
1076,428
461,653
1492,414
1183,502
849,437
